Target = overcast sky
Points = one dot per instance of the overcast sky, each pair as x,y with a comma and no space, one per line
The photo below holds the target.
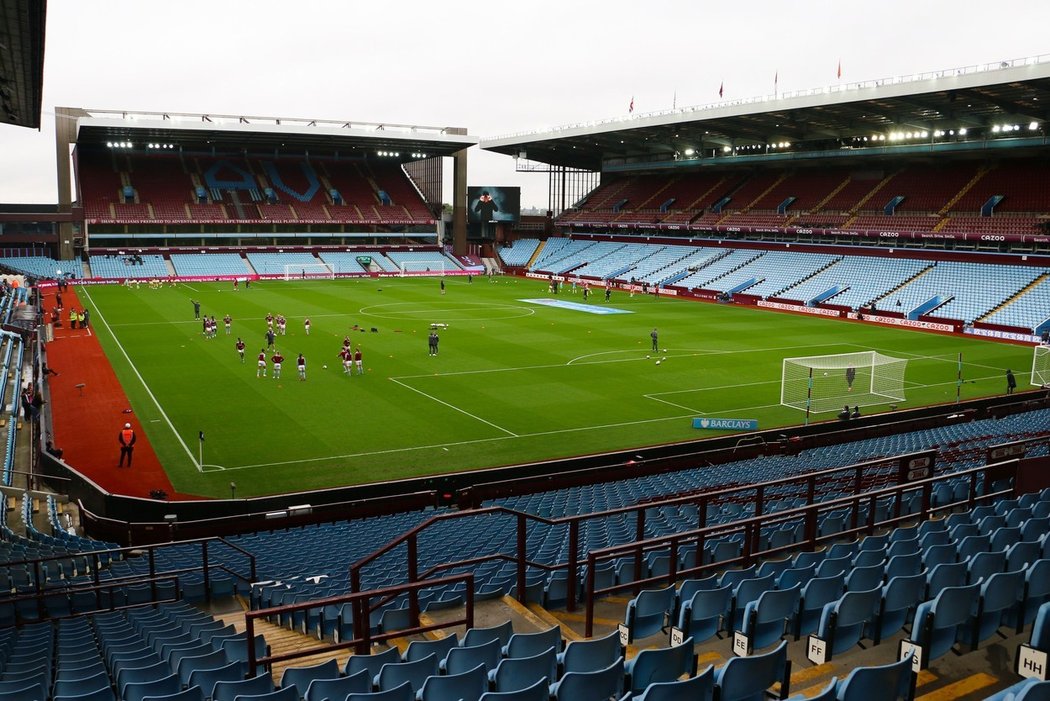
494,68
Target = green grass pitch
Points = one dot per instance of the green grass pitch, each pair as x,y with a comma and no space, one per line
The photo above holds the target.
514,381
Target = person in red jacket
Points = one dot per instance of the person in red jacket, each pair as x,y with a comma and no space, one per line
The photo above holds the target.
127,440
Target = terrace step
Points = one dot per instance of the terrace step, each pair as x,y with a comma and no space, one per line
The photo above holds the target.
1016,296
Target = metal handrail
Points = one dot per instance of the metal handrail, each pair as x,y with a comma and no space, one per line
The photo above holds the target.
363,638
752,530
109,585
701,501
96,555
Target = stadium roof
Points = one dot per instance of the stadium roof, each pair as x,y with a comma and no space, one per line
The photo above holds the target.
196,131
21,61
900,110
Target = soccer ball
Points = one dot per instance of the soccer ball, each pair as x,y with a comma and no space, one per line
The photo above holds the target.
657,362
825,374
324,367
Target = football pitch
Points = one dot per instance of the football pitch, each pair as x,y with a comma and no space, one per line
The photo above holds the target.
516,379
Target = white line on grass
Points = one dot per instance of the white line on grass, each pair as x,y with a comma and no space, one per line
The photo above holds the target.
475,441
98,312
455,408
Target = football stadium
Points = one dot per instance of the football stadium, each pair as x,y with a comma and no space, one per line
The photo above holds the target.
755,405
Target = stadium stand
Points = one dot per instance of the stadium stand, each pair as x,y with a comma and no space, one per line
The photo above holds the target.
423,260
854,281
953,290
1029,310
519,253
41,267
118,266
203,264
163,187
274,263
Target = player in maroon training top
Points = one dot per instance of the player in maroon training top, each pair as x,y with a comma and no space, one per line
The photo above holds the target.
277,359
300,363
348,360
228,321
260,371
240,349
358,362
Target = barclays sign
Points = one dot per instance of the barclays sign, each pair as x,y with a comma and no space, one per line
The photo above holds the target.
726,424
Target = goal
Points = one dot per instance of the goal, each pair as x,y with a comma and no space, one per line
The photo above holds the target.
308,271
825,383
422,267
1041,366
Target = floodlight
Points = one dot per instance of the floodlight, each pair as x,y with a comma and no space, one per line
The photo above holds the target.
995,129
725,149
962,132
1032,126
925,134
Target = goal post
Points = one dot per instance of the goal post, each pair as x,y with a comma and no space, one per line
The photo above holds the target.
422,267
826,383
1041,366
308,271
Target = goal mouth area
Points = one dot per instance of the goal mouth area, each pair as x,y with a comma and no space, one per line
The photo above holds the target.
309,271
1040,376
831,383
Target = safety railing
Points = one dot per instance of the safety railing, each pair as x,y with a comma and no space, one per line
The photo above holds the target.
100,559
360,606
812,485
751,529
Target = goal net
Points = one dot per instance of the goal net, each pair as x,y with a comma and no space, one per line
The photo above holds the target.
826,383
422,267
308,271
1041,366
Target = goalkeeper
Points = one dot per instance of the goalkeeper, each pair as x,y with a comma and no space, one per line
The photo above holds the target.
851,375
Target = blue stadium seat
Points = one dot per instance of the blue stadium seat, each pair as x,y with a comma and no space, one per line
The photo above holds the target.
590,655
515,673
769,617
938,622
647,612
746,678
415,673
873,683
590,686
660,665
466,686
700,687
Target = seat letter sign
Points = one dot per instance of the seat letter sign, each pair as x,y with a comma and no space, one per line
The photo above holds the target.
816,650
1031,663
915,650
625,634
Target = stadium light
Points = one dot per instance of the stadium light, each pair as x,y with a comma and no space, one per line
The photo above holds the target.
996,129
1032,126
690,152
962,132
726,149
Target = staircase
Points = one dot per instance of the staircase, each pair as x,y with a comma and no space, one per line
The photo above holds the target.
535,255
837,190
913,278
697,202
752,203
959,195
882,183
1014,297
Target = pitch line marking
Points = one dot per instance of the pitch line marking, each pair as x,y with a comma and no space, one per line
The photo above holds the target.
145,386
459,443
455,408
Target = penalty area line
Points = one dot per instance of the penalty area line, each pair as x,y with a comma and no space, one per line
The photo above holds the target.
455,408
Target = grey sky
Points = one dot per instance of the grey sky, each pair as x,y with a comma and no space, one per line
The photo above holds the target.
494,68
